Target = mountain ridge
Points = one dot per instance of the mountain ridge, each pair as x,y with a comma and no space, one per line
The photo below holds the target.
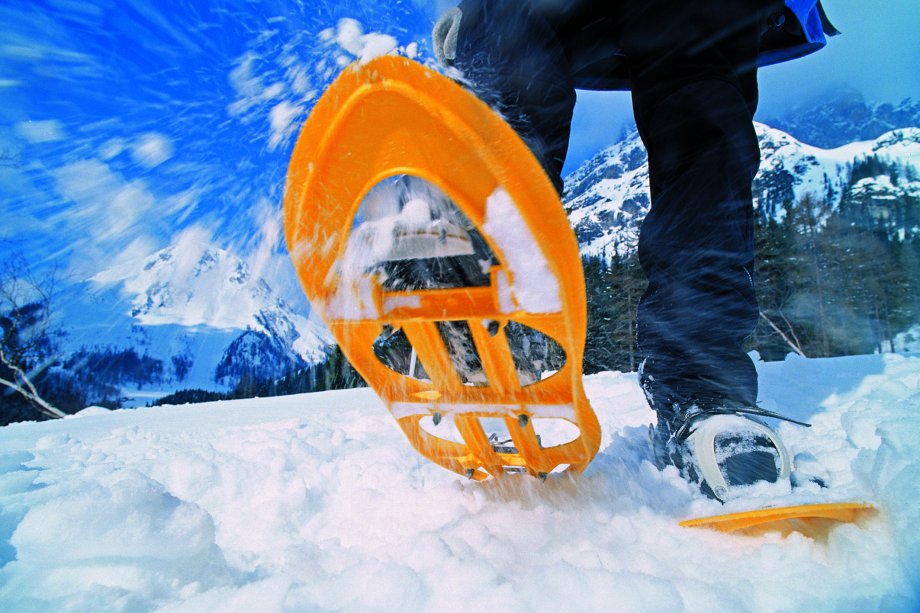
607,197
842,115
195,314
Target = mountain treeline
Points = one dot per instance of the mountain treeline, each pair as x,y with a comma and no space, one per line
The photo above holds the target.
830,281
332,374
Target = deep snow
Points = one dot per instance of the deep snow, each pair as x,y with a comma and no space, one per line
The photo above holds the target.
317,502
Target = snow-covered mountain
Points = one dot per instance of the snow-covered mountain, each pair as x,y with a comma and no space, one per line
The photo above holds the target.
842,115
193,315
607,197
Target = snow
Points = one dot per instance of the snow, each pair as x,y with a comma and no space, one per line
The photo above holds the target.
89,411
782,149
284,120
108,205
317,502
351,38
533,286
909,341
191,301
44,131
191,284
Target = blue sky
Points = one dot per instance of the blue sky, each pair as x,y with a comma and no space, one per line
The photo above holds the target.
127,124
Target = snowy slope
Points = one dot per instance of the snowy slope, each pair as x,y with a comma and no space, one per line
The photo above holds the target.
607,197
317,502
195,284
193,305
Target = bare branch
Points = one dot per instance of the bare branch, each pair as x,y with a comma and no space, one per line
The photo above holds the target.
791,329
789,342
27,389
25,315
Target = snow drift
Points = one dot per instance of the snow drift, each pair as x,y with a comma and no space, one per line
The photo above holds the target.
317,502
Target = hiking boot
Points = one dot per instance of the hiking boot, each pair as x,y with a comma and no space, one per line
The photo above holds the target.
722,449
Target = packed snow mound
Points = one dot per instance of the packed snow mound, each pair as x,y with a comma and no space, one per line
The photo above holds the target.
317,502
90,411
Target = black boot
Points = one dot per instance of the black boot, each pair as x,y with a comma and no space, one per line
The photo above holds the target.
721,446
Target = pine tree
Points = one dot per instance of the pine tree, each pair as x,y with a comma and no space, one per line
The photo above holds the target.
613,290
808,270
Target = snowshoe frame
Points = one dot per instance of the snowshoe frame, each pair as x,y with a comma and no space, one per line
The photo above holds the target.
390,117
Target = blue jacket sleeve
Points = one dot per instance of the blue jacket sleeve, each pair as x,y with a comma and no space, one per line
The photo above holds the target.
806,36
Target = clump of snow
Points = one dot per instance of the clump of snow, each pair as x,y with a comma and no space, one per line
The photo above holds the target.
352,300
391,303
283,119
276,82
112,148
317,502
350,36
90,412
534,287
397,220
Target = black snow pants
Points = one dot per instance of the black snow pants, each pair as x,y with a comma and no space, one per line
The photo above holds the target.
691,67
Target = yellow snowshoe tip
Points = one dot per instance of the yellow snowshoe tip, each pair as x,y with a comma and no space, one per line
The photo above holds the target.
392,118
808,518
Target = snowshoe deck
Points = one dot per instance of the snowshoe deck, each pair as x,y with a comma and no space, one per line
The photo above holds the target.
392,118
808,519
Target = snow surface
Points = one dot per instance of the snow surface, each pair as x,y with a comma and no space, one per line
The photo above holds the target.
317,502
908,341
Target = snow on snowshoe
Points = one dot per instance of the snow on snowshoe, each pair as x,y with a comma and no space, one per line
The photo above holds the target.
436,249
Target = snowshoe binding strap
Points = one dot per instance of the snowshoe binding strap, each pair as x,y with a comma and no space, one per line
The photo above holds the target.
729,450
686,428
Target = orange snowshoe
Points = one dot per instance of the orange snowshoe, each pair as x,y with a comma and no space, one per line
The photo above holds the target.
436,250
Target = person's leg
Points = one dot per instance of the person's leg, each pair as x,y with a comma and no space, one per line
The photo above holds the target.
693,71
694,87
511,58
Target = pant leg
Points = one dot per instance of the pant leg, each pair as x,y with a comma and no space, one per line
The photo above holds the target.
510,55
693,72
